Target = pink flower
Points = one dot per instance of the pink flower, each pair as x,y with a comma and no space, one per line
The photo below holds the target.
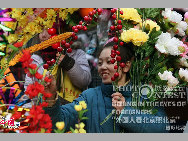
184,54
186,16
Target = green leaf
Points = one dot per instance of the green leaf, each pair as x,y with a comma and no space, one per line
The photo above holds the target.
85,110
63,131
139,11
81,113
32,71
57,131
152,12
171,69
149,51
72,130
84,118
154,34
13,47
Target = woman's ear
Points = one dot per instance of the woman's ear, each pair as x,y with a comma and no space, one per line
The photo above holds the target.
127,66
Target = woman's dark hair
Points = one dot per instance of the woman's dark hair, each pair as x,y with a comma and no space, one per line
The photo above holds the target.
126,53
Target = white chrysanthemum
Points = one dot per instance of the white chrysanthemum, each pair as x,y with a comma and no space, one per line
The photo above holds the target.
183,62
172,46
182,26
172,82
162,41
167,12
166,44
183,73
172,16
167,75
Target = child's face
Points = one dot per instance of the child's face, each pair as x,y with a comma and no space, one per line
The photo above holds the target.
106,68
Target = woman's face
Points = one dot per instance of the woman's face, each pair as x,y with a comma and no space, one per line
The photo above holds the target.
43,36
106,68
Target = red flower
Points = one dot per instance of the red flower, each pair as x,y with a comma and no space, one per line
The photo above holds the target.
45,121
34,89
48,131
36,113
47,95
38,120
46,79
18,44
38,75
26,59
32,66
44,104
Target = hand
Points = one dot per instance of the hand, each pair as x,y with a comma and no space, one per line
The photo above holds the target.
50,87
61,57
118,102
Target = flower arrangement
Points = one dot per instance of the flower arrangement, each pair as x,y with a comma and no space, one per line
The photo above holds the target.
35,120
31,21
158,37
159,42
81,108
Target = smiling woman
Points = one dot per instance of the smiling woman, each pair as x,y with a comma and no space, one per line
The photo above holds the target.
102,100
106,68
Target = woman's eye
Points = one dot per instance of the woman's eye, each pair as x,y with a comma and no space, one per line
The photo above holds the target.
99,63
109,62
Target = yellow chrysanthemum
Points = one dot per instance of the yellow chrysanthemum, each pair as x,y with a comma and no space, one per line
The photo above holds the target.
16,13
82,125
12,38
78,107
30,28
23,21
50,13
82,131
83,104
11,25
76,131
137,37
30,11
150,25
130,14
63,14
72,10
39,20
60,125
48,24
76,125
3,62
2,47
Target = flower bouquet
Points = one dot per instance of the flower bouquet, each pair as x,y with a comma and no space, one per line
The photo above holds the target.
158,38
